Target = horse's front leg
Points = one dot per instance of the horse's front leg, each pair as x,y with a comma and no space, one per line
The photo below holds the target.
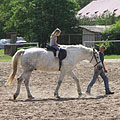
62,74
77,82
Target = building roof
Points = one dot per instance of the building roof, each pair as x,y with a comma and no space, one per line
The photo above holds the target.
97,28
98,7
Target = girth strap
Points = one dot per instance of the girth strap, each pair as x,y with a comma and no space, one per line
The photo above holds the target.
60,64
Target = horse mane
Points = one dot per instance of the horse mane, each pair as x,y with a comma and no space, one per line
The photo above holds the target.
71,46
76,46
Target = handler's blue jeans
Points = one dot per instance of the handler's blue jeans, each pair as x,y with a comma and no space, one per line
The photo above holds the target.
95,76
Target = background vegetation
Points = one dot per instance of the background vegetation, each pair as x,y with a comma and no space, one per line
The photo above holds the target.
113,33
36,19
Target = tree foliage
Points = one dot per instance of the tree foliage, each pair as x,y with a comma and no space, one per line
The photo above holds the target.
104,19
113,33
36,19
83,3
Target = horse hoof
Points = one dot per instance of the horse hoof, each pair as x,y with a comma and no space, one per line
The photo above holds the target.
79,95
31,97
14,97
56,95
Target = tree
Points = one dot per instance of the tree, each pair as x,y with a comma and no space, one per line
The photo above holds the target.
113,33
5,14
36,19
83,3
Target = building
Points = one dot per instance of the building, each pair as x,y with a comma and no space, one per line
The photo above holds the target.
98,7
92,33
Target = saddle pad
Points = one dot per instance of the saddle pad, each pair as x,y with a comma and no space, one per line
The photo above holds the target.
62,54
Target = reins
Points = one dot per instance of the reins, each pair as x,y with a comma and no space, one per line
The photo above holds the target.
93,56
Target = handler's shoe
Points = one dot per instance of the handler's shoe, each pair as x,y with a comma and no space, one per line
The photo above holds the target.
108,93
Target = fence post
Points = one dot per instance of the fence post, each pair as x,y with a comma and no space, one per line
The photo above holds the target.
13,48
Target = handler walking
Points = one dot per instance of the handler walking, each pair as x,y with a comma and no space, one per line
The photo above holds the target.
101,73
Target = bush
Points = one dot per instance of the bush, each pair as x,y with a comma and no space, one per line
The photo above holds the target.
113,33
107,18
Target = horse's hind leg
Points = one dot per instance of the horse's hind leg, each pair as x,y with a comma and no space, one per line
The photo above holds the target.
19,82
26,82
77,82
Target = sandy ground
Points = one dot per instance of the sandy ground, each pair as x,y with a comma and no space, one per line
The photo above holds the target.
98,106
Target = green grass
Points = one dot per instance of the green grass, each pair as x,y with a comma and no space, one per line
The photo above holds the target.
112,56
4,58
26,47
7,58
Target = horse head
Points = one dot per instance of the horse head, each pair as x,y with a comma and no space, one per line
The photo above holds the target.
95,60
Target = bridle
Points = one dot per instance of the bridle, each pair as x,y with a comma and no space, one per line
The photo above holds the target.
97,62
94,56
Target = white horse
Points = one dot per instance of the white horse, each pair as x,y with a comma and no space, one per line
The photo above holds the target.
39,58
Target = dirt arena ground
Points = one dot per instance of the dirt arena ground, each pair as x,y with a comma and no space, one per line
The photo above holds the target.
69,107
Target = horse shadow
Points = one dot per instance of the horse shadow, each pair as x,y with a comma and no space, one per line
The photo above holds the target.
60,99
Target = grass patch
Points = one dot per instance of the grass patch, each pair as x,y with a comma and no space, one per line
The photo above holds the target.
7,58
26,47
112,56
4,58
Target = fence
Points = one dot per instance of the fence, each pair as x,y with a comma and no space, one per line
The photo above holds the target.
92,36
70,39
112,48
94,42
10,49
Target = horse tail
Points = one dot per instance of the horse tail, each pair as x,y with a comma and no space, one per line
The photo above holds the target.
15,59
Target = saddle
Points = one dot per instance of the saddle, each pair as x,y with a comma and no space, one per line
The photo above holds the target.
62,54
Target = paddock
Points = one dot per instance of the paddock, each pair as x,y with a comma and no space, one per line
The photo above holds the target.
46,106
